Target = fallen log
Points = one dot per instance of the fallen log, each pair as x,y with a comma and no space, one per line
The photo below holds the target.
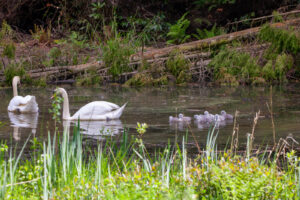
201,44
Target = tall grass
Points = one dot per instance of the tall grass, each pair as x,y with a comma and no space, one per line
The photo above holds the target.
66,169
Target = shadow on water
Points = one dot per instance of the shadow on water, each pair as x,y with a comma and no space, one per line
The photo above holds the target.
154,106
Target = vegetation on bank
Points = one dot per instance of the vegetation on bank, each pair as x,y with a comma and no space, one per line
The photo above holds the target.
64,168
112,39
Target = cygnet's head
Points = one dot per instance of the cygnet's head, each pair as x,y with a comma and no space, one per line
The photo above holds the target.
170,118
223,112
180,115
196,116
206,112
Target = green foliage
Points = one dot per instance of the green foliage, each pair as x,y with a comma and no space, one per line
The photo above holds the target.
141,128
179,67
9,50
177,31
13,70
116,55
148,29
70,170
55,107
212,3
89,78
233,67
6,32
282,65
281,40
202,34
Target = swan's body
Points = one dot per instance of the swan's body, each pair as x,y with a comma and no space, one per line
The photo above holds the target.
96,110
21,104
226,116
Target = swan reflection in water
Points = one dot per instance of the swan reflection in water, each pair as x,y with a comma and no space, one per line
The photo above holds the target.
28,120
97,129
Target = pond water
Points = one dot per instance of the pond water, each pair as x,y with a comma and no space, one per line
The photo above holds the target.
154,106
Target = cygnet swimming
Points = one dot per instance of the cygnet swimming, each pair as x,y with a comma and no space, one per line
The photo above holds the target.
180,118
226,116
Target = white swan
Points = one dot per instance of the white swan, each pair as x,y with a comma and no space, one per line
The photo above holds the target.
21,104
96,110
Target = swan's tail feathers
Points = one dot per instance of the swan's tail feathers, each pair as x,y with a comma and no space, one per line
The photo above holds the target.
116,114
30,106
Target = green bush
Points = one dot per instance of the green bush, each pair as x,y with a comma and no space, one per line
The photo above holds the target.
281,40
9,50
13,70
179,67
177,31
232,66
116,55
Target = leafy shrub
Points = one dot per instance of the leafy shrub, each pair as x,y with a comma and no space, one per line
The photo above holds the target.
281,40
202,34
9,50
232,66
179,67
177,31
13,70
212,3
6,32
116,55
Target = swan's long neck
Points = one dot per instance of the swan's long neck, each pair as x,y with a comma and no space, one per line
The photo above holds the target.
66,111
15,89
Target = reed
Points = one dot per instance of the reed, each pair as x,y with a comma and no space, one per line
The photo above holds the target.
64,168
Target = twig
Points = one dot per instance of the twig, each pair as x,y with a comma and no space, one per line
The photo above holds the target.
264,17
25,182
253,129
270,108
234,132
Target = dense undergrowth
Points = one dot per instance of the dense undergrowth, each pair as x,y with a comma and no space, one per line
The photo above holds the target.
279,60
115,49
63,168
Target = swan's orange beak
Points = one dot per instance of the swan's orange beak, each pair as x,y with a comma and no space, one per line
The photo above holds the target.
52,97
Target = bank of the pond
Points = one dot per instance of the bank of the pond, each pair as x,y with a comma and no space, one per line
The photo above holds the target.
260,55
63,169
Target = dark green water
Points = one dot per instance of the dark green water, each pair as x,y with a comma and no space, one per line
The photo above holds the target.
154,106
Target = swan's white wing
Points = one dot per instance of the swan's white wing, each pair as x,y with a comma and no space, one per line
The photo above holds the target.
95,108
23,104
